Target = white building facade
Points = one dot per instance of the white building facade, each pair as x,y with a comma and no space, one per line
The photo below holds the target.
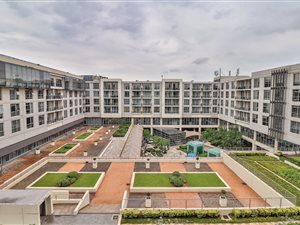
38,103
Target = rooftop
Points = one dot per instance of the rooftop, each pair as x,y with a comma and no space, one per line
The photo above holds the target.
23,197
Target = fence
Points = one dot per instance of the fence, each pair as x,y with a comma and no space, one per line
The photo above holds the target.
204,203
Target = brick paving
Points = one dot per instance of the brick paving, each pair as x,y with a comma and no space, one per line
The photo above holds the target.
238,188
190,167
68,167
102,167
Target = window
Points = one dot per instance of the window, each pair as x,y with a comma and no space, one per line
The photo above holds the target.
76,110
266,94
14,94
71,103
295,127
29,108
186,109
40,94
255,106
126,101
1,111
157,86
1,130
65,113
296,79
96,101
296,111
41,120
58,83
156,101
232,104
95,85
186,94
41,106
265,121
15,126
267,82
96,93
232,113
71,112
87,86
70,94
29,122
186,102
28,93
156,109
0,94
126,109
266,107
256,83
232,94
256,94
186,86
14,110
296,95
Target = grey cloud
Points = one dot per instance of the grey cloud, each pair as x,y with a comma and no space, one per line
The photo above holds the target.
200,60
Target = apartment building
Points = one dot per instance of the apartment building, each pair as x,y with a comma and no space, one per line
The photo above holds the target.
38,103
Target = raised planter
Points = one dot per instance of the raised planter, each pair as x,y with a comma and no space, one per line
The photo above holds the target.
90,130
66,153
76,138
73,189
135,189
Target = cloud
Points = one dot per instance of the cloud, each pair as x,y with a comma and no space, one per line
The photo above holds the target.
200,60
139,40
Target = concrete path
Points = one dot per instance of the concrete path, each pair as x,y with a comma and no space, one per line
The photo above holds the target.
176,199
68,167
242,191
133,145
116,181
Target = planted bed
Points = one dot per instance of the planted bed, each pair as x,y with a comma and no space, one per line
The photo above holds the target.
68,181
190,181
84,136
65,148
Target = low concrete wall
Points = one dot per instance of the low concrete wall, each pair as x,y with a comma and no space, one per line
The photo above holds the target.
125,200
84,201
272,197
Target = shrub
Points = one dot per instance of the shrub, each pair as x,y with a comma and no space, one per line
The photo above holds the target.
171,213
176,174
65,182
73,174
266,212
246,153
176,181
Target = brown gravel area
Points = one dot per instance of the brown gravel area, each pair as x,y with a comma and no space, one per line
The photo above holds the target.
141,167
137,200
190,167
211,200
68,167
242,191
116,181
102,167
171,167
31,178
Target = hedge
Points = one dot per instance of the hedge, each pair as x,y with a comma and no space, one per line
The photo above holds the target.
172,213
266,212
247,153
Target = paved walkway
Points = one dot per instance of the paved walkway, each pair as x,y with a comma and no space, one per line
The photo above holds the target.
68,167
242,191
116,181
133,145
177,199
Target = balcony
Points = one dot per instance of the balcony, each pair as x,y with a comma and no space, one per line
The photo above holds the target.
50,121
56,96
54,108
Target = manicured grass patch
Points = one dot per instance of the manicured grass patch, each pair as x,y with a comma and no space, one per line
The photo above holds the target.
84,135
203,180
94,128
65,148
52,179
192,179
152,180
122,130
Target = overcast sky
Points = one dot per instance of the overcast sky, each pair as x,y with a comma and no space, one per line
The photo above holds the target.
143,40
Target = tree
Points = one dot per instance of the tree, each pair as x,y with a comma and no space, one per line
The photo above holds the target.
223,138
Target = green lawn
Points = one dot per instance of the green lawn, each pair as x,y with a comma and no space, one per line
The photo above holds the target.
203,180
162,180
64,148
94,128
51,180
83,136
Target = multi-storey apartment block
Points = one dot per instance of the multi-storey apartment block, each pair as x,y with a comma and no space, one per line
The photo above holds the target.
38,103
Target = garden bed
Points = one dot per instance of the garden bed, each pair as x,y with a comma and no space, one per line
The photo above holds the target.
161,182
122,130
84,136
64,150
95,129
279,173
86,181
